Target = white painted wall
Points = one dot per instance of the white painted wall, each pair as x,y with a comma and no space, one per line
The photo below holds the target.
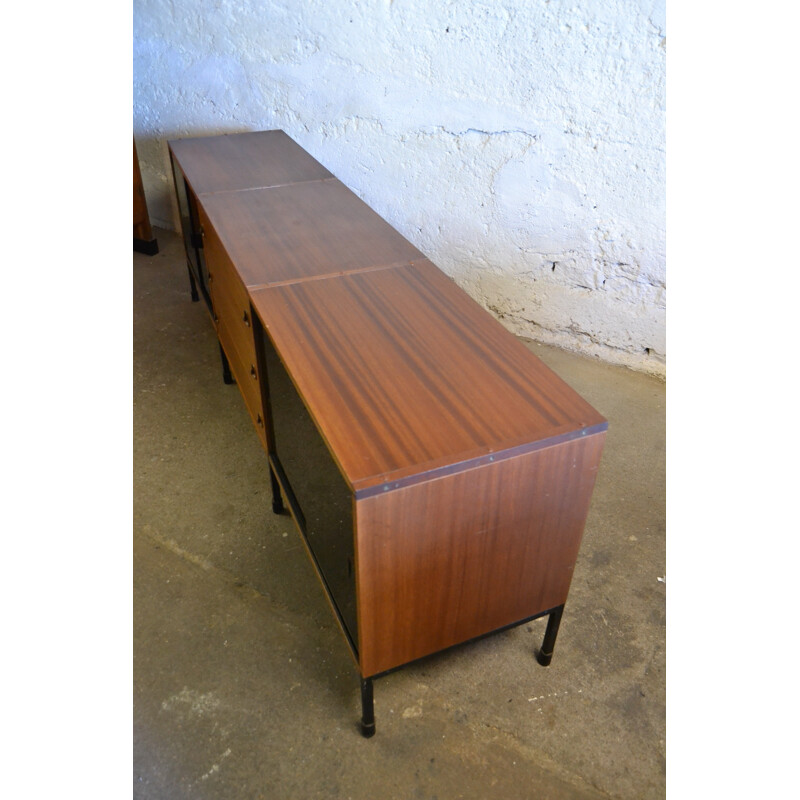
518,143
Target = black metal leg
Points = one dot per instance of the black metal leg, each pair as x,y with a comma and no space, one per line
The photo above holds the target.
277,499
226,367
545,655
367,709
193,284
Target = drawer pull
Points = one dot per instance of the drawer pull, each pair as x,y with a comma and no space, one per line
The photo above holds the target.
253,373
246,319
259,421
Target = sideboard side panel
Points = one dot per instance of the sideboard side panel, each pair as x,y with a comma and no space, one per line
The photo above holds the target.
442,562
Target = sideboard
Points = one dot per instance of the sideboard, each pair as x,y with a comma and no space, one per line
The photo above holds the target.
438,472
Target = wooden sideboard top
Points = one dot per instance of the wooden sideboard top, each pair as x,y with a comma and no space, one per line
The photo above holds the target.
238,161
408,378
302,231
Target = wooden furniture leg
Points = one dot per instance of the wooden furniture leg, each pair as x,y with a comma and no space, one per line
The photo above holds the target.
143,239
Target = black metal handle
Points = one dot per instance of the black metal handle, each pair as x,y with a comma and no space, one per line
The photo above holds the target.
246,319
253,373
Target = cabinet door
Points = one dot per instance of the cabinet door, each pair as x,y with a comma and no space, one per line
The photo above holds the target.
322,503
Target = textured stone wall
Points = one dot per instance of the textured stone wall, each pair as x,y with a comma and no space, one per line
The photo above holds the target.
518,143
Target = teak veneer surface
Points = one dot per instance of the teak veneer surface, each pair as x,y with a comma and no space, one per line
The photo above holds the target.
404,374
244,161
469,465
302,231
443,561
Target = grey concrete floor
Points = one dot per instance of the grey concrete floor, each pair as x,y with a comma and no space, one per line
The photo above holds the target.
243,684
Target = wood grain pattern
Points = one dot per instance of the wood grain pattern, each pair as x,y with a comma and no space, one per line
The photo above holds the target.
248,378
224,283
468,464
405,374
303,231
442,562
233,321
244,161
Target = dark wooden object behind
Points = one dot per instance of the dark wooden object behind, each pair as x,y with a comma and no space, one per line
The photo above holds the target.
143,239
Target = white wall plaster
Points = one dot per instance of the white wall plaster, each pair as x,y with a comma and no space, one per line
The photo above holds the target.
518,143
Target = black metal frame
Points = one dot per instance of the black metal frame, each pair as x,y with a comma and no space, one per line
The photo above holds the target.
192,282
197,285
367,709
227,376
194,239
543,656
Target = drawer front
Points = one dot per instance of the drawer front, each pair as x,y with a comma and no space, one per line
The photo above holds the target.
233,312
228,293
245,372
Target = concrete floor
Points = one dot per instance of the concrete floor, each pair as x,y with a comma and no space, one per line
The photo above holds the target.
243,684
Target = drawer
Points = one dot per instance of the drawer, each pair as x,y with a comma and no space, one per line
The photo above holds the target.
247,379
231,303
234,313
224,284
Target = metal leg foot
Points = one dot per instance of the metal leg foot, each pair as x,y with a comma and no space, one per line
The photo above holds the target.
277,498
367,709
193,285
226,367
545,655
